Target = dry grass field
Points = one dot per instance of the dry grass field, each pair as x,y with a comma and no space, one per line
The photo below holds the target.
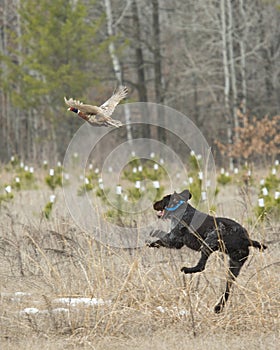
62,289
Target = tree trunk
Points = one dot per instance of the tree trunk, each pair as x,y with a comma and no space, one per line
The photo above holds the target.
226,76
116,63
232,70
17,124
156,52
242,48
266,55
157,66
140,67
5,123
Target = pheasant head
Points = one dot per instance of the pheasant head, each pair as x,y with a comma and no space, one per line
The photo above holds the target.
73,109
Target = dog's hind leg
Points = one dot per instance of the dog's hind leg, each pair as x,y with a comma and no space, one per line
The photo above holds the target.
234,270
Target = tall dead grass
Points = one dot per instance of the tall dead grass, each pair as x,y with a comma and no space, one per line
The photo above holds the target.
143,300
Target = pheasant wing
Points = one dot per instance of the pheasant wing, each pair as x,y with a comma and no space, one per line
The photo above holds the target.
73,103
114,122
102,119
109,106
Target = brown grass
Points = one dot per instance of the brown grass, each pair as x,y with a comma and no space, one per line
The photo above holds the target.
148,303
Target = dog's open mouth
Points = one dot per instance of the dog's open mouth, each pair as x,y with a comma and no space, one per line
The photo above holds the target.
160,213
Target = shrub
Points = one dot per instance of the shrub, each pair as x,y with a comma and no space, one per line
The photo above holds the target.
224,179
255,138
269,192
54,179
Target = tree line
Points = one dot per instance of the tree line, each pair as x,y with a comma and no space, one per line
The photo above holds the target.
214,61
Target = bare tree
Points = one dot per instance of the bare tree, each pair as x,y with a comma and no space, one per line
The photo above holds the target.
231,26
5,130
10,115
243,32
207,60
224,35
116,63
139,55
157,62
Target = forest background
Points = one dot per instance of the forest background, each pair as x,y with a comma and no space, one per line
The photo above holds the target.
217,62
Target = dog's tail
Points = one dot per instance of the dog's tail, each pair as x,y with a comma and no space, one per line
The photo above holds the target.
258,245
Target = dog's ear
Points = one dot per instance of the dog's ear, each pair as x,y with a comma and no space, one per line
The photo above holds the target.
186,195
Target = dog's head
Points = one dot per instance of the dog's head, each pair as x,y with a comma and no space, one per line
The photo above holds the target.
169,204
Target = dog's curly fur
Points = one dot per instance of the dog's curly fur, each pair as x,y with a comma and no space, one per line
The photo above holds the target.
204,233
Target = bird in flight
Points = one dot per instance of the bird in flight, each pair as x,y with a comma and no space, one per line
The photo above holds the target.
98,116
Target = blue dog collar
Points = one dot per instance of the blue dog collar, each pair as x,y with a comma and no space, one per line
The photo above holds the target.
176,206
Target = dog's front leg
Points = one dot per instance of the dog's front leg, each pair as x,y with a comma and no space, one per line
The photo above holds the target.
167,240
200,265
207,248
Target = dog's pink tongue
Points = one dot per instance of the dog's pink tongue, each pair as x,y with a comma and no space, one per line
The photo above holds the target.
160,213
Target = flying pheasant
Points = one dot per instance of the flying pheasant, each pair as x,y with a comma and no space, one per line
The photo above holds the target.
98,116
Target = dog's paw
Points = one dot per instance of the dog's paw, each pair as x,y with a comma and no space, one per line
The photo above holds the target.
185,270
218,308
154,244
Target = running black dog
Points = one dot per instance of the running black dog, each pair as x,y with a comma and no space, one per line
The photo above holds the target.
205,233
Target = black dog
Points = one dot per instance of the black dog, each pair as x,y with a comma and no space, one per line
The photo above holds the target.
203,232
